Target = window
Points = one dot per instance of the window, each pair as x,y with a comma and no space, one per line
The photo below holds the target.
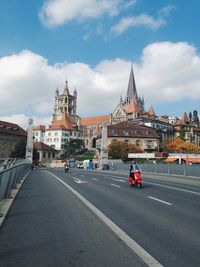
126,132
36,133
138,143
138,132
49,134
126,141
44,154
149,133
49,155
56,133
114,132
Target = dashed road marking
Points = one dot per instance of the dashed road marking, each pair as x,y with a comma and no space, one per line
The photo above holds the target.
159,200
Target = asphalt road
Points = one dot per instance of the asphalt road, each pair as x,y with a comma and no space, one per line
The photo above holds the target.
163,217
48,226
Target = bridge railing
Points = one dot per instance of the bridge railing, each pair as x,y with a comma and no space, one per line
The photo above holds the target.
167,169
12,171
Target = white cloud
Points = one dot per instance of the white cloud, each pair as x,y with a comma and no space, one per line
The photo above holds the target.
58,12
167,72
22,120
141,20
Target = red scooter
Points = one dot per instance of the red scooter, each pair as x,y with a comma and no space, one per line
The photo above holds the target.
135,178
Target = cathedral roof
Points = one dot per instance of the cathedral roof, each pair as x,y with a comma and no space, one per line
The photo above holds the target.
95,120
132,91
151,112
62,123
132,107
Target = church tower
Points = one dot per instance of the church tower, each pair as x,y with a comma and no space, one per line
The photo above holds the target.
65,103
131,95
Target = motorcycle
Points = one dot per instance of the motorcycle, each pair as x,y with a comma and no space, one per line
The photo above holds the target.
66,169
135,178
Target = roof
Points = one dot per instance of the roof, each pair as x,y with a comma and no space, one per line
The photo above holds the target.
132,107
11,129
130,129
63,123
39,128
131,91
187,160
42,146
170,159
151,111
95,120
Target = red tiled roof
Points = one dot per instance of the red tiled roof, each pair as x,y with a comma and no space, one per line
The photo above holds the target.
131,130
7,125
43,147
39,127
95,120
132,107
63,123
151,112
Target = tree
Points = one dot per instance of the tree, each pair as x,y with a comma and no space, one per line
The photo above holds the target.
20,149
180,146
120,150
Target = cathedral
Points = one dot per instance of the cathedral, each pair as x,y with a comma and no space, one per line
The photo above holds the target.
132,106
65,103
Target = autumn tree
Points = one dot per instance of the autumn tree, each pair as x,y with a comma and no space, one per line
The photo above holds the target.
180,146
120,150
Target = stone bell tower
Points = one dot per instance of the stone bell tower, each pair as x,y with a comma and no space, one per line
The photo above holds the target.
65,103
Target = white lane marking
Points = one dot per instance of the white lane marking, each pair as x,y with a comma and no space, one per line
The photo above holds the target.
115,185
78,181
119,180
175,188
135,247
157,199
95,179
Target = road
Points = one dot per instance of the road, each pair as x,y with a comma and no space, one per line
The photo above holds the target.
49,226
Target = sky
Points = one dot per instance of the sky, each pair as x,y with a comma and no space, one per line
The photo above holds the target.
92,44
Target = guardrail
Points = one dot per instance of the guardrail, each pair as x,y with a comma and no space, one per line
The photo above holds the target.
12,171
167,169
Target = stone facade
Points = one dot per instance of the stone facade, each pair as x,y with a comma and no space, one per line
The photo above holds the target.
10,135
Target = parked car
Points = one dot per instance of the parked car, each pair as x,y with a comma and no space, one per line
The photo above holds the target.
105,167
80,165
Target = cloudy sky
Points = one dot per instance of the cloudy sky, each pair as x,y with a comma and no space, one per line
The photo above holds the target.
93,43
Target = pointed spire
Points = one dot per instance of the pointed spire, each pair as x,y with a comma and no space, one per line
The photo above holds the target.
121,100
66,90
185,118
151,112
132,91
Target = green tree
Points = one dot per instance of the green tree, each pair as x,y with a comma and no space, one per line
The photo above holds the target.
20,149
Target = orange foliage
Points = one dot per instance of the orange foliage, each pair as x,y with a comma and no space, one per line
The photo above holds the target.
180,146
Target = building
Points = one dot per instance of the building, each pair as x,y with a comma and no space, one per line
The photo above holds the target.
65,103
187,129
10,135
164,129
64,125
91,128
143,137
44,153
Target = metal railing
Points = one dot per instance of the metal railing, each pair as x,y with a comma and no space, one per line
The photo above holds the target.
12,171
167,169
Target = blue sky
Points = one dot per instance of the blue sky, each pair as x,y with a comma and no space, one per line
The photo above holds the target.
94,42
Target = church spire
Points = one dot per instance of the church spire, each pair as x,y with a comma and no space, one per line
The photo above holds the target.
132,91
66,90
